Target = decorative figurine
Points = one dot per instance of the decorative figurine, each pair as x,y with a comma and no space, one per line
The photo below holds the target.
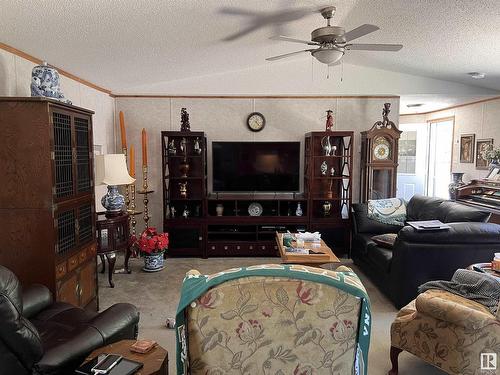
334,150
325,144
219,209
184,168
171,148
332,171
183,146
197,210
298,211
329,120
185,127
45,82
385,123
197,148
183,189
324,168
327,207
172,212
185,213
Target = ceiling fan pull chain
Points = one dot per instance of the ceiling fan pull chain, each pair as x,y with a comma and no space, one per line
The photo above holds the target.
342,71
328,72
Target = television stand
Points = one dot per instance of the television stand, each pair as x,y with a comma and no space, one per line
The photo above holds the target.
233,231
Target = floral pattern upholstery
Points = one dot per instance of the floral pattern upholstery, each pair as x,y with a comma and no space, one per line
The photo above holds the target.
447,331
273,325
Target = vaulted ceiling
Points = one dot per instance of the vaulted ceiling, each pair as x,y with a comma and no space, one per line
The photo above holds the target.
123,44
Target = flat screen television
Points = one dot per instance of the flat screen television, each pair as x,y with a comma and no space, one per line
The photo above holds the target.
256,166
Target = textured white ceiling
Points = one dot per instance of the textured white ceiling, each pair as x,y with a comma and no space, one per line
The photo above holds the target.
121,44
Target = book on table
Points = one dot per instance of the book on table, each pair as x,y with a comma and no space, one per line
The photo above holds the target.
428,225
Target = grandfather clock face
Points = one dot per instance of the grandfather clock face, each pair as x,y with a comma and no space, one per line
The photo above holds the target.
382,148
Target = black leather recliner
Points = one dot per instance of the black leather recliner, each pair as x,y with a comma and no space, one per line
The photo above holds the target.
40,336
418,257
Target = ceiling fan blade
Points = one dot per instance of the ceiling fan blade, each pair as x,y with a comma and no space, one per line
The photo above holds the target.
358,32
287,55
374,47
293,40
237,11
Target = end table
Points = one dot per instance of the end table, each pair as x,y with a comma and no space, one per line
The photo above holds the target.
113,236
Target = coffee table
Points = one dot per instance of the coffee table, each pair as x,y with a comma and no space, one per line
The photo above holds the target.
324,254
155,361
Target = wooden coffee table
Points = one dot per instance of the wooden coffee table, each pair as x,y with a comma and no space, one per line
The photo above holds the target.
325,254
155,362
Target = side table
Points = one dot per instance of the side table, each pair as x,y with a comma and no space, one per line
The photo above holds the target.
484,268
155,362
113,236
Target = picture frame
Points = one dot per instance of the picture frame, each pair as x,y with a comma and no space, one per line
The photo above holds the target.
467,142
481,146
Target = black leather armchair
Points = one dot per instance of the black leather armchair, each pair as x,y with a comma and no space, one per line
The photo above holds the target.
418,257
40,336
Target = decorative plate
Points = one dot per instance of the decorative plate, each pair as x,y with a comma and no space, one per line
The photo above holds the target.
255,209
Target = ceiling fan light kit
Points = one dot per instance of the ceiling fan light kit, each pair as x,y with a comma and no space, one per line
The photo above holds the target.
332,41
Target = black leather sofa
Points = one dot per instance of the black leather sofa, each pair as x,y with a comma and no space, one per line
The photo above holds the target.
40,336
418,257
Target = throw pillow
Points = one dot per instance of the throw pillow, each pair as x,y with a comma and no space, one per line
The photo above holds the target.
385,240
388,211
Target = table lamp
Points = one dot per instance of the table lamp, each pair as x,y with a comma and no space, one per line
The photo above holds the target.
112,170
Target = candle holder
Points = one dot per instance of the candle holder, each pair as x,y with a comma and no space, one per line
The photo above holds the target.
133,222
127,198
145,193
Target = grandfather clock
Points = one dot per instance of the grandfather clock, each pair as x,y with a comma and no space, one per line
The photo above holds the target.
379,159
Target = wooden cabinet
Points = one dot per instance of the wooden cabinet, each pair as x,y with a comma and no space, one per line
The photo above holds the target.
328,185
184,191
47,202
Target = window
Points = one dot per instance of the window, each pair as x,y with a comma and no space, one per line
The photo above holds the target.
407,152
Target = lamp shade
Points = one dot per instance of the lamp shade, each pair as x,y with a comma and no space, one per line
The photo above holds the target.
328,56
111,169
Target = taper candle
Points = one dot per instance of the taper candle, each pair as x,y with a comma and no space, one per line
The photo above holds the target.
122,131
144,148
132,161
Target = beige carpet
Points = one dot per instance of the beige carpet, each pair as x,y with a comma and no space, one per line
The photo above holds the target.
157,294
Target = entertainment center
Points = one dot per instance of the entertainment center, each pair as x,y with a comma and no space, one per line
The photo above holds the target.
229,221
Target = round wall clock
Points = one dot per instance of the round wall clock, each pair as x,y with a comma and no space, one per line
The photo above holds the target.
382,150
256,121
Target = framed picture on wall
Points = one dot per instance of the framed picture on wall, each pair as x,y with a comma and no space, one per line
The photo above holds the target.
467,148
482,145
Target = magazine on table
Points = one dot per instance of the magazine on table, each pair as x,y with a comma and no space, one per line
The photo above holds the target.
428,225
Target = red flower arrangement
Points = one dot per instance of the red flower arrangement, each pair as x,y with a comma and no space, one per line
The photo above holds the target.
152,242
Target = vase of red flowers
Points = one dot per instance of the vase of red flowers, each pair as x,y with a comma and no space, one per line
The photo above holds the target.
152,246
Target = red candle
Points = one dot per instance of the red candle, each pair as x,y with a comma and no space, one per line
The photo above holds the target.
132,161
122,131
144,148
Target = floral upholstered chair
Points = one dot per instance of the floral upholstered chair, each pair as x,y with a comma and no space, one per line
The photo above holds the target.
273,319
447,331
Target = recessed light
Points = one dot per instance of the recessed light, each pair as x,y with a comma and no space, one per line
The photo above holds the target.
477,75
415,105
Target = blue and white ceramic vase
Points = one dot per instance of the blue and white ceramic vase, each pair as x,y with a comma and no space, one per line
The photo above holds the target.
455,184
45,82
113,201
154,262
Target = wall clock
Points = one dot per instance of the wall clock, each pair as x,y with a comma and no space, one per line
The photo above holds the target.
256,121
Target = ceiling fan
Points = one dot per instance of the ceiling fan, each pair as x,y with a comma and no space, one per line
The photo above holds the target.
332,41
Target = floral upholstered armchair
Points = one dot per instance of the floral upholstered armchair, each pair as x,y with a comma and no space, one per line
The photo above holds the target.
447,331
273,319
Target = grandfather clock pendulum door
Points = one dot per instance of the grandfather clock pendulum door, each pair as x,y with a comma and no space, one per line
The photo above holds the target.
379,159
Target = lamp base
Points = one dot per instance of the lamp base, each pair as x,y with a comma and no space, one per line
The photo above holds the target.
113,201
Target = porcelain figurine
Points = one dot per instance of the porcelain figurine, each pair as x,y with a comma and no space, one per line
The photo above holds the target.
183,146
45,82
172,212
298,211
325,144
324,168
327,207
197,148
219,209
171,148
329,120
332,171
183,189
334,150
185,213
184,168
